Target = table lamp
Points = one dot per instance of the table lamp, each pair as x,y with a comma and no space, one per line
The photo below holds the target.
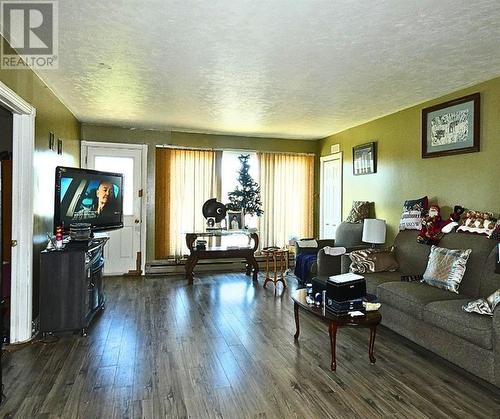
373,231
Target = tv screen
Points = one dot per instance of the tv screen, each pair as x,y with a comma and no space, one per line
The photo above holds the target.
88,196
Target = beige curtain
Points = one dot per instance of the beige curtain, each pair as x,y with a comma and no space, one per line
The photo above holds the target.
185,179
287,182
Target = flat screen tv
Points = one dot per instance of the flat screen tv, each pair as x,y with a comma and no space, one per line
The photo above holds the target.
88,196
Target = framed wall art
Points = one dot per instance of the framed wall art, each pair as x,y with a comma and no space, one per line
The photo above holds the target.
451,127
364,159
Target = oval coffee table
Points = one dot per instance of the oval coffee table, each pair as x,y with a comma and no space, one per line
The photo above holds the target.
371,319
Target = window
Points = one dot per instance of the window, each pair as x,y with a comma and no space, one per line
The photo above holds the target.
229,177
185,179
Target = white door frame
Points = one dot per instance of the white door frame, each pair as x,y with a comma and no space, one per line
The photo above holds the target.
23,143
336,156
144,148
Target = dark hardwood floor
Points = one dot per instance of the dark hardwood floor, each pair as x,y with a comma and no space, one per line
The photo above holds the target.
224,347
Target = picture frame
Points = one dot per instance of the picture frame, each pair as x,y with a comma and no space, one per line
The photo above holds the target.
235,220
452,127
364,159
51,141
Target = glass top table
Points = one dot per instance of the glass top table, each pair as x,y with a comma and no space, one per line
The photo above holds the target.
223,232
222,252
369,319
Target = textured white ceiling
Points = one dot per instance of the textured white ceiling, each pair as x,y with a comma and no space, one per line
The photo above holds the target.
291,69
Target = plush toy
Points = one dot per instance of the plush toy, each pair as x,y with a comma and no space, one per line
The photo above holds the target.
452,222
479,220
431,227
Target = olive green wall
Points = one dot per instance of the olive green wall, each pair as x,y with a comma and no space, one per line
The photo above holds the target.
51,116
154,138
467,179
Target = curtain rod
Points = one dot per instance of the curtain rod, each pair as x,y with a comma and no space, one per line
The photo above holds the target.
238,150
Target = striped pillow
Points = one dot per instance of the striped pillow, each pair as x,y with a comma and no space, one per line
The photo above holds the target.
446,268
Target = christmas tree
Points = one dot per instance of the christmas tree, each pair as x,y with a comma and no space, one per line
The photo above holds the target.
246,196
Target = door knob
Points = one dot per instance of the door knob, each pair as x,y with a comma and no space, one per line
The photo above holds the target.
13,243
137,221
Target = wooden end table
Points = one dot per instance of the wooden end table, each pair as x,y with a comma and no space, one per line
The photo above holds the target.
222,252
278,258
371,320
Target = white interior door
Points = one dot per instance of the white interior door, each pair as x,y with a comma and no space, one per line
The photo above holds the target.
126,246
330,195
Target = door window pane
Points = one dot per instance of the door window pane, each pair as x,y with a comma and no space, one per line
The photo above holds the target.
123,165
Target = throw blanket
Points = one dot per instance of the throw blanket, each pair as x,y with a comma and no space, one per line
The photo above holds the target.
303,264
334,251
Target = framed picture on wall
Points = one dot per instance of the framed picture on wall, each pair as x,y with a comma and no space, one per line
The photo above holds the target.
451,127
364,159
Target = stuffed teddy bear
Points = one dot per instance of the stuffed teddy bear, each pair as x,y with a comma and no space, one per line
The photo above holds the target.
431,227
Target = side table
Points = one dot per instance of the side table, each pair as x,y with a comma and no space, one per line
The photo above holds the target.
278,258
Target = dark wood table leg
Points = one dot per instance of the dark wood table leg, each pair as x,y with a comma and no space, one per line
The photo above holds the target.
192,259
333,343
252,266
189,267
296,308
373,332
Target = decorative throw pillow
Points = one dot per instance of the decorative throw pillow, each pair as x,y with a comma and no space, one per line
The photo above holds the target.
446,268
413,211
360,210
484,306
478,222
373,260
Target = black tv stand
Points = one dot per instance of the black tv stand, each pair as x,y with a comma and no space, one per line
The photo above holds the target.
71,286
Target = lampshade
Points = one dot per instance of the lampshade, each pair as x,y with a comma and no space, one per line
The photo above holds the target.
374,231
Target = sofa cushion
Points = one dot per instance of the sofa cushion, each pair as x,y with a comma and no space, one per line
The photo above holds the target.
349,235
411,256
481,249
412,297
448,315
490,280
373,280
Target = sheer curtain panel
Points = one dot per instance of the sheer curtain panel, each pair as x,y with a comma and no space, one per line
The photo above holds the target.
287,182
185,179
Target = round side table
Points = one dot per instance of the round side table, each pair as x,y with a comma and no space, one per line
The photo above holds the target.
277,263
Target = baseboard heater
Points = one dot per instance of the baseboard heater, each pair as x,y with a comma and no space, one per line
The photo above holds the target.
173,267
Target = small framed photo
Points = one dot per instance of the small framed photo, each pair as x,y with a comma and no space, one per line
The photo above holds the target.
364,159
234,220
52,145
59,146
451,127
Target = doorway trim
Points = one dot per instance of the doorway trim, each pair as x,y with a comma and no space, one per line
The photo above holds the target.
23,147
144,148
336,156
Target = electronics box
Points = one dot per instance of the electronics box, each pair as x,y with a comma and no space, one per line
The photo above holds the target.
345,287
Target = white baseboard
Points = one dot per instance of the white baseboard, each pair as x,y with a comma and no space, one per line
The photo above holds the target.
170,267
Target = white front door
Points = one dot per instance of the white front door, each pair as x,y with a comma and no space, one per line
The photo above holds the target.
330,195
124,252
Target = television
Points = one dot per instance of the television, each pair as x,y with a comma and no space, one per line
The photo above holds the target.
88,196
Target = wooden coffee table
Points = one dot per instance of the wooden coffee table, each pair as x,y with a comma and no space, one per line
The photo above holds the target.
370,319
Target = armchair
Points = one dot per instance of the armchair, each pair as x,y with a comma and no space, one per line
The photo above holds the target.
348,235
305,259
313,262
